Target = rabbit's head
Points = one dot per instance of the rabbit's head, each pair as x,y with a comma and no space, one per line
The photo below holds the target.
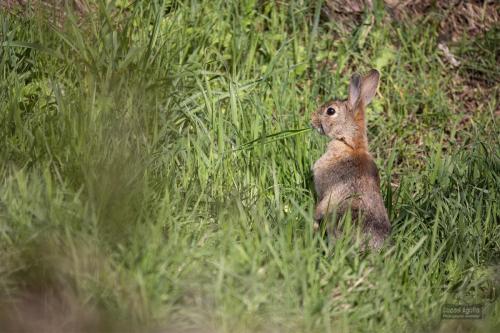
344,119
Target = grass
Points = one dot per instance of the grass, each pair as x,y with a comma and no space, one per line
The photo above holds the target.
154,171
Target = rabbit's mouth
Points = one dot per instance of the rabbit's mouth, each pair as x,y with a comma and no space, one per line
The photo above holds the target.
318,127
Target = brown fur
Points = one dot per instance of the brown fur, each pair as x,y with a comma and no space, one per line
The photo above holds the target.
346,176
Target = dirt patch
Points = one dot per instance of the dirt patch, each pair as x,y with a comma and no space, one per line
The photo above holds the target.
457,17
56,11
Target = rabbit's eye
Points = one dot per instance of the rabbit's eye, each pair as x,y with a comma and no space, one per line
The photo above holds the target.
330,111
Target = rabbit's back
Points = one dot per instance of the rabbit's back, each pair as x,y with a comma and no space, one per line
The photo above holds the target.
351,182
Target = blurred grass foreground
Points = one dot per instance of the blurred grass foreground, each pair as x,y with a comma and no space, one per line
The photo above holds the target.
154,178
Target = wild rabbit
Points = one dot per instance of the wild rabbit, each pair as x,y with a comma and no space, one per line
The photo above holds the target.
346,176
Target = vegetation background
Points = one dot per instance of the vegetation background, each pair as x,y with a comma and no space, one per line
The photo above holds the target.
151,178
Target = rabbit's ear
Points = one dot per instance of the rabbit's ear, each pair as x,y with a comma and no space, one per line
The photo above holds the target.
369,86
354,91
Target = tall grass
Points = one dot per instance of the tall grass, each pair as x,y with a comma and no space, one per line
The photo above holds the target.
154,169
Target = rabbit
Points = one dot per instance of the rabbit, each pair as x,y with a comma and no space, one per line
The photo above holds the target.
345,176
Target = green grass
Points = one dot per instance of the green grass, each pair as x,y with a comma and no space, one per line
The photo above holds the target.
142,175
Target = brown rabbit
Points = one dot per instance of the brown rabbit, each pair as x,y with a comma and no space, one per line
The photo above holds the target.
346,176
